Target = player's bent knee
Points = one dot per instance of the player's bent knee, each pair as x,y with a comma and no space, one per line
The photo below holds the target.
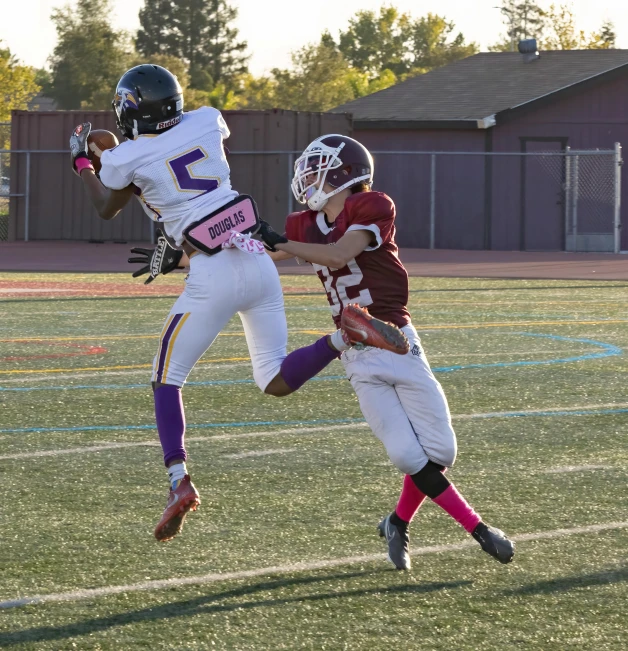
158,385
445,454
407,461
277,387
431,479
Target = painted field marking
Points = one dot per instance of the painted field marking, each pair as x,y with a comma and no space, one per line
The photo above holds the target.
304,566
608,350
224,333
189,439
447,326
30,290
218,364
257,453
73,376
562,469
331,426
113,368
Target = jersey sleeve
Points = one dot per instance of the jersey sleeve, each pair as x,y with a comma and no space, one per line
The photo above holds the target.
371,211
111,175
294,230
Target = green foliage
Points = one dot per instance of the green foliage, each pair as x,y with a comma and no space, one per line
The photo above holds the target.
89,58
18,83
396,42
524,19
198,31
562,34
373,43
320,78
434,43
554,28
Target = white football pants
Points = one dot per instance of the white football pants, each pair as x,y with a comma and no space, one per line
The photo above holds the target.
403,404
216,288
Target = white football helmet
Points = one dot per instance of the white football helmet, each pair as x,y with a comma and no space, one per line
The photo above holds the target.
337,160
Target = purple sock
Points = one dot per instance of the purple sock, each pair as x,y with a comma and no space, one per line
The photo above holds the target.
170,421
304,363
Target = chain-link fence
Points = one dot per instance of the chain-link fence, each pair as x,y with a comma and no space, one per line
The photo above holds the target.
544,200
530,201
5,162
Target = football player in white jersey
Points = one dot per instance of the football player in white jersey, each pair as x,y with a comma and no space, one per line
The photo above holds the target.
175,164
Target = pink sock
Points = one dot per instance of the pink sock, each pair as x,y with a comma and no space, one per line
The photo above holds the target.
453,503
410,500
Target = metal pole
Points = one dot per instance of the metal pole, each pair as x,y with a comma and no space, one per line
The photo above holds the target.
290,175
433,201
617,219
27,192
567,189
576,189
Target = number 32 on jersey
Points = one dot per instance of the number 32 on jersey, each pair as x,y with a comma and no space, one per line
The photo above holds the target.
338,281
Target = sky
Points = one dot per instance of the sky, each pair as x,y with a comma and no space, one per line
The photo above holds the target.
274,28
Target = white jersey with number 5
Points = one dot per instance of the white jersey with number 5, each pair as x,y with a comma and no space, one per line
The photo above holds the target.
182,174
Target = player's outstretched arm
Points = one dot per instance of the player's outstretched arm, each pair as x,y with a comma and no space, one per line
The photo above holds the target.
108,203
336,257
276,256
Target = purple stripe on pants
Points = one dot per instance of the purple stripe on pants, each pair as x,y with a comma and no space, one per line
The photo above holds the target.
164,346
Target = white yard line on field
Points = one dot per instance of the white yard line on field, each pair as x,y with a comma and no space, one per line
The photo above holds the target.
258,453
115,445
188,439
309,566
561,469
142,372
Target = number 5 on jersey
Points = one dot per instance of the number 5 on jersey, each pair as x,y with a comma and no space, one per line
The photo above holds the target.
183,176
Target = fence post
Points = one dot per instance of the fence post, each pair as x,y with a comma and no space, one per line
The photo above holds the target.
290,175
576,190
27,192
433,201
617,216
567,191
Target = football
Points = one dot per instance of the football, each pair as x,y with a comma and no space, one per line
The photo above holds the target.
97,141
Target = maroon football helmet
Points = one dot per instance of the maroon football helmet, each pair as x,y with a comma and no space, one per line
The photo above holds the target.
337,160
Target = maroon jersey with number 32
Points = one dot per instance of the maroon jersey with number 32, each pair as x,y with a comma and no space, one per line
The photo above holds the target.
375,278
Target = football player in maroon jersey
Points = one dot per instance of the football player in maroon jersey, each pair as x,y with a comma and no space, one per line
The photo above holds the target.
400,398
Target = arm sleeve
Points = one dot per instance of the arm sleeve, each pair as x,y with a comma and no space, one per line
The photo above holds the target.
293,230
110,175
375,212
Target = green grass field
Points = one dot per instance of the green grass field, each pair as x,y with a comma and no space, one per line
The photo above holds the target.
284,553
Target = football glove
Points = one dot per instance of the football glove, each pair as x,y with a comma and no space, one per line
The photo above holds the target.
78,143
163,259
270,237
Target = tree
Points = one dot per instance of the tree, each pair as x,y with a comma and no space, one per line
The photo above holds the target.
18,86
197,31
605,39
524,19
432,46
554,28
89,58
17,83
373,43
397,42
320,79
562,33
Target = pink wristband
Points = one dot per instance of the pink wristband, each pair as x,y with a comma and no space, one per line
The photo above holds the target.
83,163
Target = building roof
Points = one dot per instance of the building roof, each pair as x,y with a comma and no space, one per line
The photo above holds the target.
469,93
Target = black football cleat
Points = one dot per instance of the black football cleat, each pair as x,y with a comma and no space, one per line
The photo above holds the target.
494,542
397,539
